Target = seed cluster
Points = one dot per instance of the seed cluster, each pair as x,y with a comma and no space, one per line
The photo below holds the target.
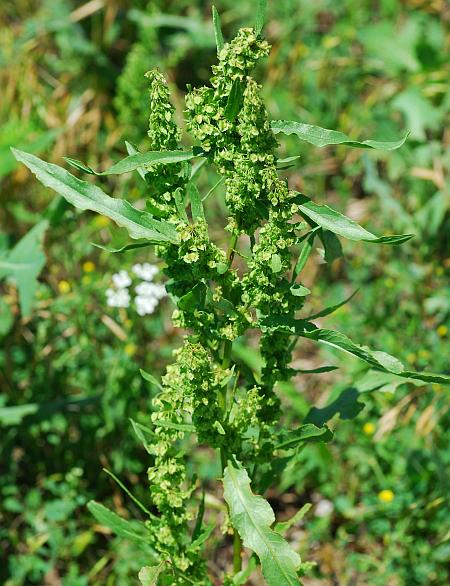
228,408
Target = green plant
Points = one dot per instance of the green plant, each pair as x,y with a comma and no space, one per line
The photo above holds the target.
250,291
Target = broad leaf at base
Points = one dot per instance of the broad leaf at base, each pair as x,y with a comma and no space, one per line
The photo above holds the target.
252,517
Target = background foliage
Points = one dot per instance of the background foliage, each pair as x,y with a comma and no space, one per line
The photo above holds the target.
69,371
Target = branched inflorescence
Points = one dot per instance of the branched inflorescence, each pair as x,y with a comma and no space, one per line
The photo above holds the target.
231,125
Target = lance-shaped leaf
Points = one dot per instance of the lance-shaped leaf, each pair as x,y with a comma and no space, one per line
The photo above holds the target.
136,161
332,308
335,222
261,15
24,263
252,517
86,196
217,30
121,527
321,137
234,101
198,213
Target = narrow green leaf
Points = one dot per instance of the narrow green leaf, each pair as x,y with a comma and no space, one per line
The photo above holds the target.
337,223
180,204
79,165
14,414
304,434
305,253
286,525
123,248
186,427
332,308
24,263
140,431
234,101
130,494
137,160
217,30
86,196
133,531
321,137
261,15
252,517
200,540
427,377
286,162
149,575
319,370
195,198
199,520
150,378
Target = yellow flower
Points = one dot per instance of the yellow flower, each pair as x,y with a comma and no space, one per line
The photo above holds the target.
101,221
130,348
411,358
64,287
442,331
386,496
88,266
369,428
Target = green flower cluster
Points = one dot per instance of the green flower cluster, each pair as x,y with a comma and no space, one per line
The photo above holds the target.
229,409
163,180
240,150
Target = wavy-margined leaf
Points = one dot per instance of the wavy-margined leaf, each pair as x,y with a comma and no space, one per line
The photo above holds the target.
121,527
321,137
304,434
86,196
335,222
24,263
376,359
149,575
252,517
346,404
136,161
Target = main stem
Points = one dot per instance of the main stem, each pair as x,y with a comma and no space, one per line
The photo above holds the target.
226,360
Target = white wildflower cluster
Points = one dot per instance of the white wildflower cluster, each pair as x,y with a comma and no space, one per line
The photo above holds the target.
148,294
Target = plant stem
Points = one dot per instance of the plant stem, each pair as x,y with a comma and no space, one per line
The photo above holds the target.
231,247
237,546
